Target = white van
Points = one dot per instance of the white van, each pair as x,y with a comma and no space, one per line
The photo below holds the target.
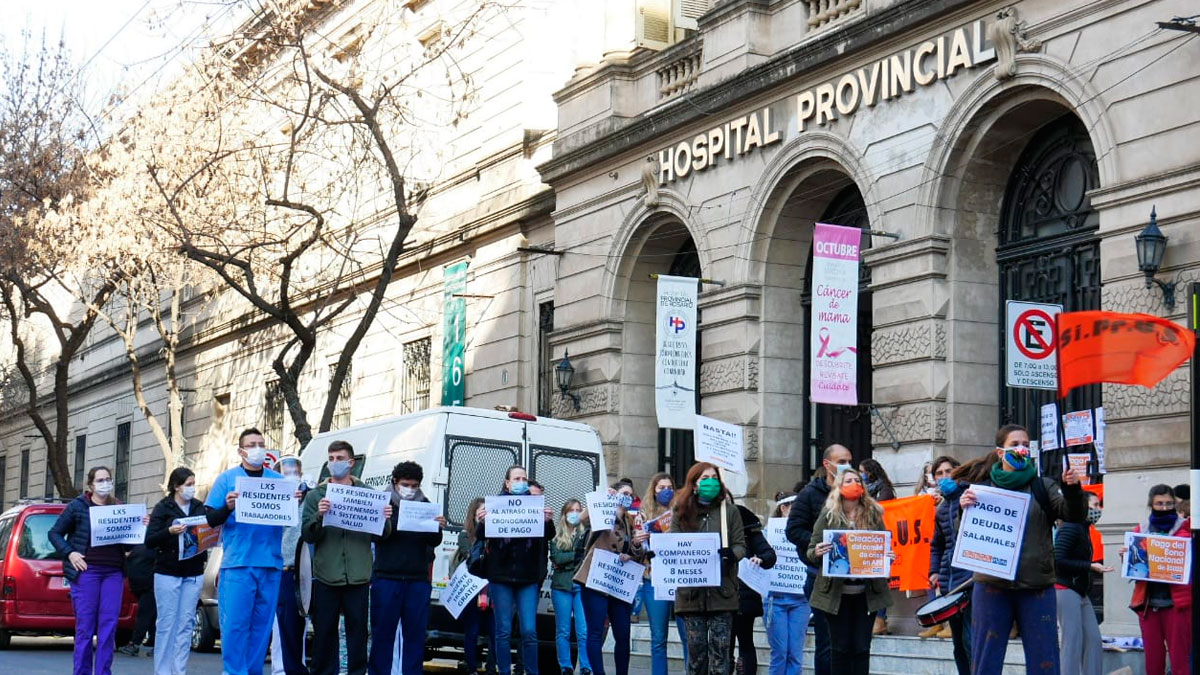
465,452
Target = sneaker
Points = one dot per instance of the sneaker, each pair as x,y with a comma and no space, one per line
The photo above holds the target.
129,650
568,671
585,671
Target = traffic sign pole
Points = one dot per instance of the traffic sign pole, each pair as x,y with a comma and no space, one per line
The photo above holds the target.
1194,316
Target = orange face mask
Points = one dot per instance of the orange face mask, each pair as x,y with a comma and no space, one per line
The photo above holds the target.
852,491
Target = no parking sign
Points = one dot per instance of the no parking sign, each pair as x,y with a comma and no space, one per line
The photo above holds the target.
1030,345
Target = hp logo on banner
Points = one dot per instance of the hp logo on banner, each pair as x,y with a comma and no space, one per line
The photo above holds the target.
676,324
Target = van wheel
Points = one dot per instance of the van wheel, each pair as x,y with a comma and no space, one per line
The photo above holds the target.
204,636
5,639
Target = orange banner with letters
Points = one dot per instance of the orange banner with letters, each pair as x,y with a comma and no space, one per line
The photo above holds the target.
911,520
1122,348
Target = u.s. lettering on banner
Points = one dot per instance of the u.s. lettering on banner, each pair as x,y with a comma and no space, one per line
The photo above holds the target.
834,356
675,353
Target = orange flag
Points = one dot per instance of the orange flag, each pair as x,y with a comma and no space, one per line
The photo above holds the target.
911,521
1123,348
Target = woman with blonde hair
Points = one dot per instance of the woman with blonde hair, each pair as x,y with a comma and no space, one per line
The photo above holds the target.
566,552
656,503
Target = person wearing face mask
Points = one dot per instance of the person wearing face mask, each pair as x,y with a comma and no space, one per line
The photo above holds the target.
567,550
341,567
1164,611
810,499
785,615
287,634
96,574
177,583
1029,599
402,581
515,568
1081,649
750,603
657,502
943,576
703,505
251,564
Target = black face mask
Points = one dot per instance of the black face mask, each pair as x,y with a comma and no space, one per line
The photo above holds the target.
1163,519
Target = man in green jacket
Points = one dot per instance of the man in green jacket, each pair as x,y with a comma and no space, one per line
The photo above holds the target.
341,572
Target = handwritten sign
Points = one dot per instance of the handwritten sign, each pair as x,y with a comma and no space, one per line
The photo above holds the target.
1077,427
857,553
1154,557
120,524
789,573
602,509
1050,426
609,575
266,501
991,532
685,560
720,444
1079,462
755,577
358,509
197,537
515,517
418,516
460,590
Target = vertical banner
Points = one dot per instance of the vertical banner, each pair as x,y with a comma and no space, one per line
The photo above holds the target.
911,520
834,356
675,353
454,334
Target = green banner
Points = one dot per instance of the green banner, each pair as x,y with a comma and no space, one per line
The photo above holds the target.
454,335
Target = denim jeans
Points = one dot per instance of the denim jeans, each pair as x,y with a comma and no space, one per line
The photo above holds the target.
403,604
597,607
659,614
524,599
993,610
786,617
473,621
176,598
568,605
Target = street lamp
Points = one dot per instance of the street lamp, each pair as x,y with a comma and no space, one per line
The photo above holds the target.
1151,244
564,372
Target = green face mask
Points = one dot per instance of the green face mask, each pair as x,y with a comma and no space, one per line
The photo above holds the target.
708,489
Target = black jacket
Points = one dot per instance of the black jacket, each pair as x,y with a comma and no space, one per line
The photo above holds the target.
404,555
804,514
749,601
166,545
941,549
72,533
516,561
1073,557
139,567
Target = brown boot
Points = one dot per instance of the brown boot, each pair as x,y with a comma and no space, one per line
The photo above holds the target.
930,632
881,627
945,633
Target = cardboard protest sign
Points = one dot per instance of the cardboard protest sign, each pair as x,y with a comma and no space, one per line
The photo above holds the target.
602,509
1077,427
119,524
911,522
755,577
991,532
857,553
609,575
789,573
197,537
685,560
720,444
515,517
417,516
1079,462
1154,557
460,590
267,501
358,509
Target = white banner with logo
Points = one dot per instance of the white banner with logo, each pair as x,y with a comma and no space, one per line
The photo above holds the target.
834,354
675,352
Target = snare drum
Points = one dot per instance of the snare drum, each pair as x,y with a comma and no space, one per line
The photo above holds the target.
942,608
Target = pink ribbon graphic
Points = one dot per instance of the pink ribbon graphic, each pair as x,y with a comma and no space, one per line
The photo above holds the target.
823,337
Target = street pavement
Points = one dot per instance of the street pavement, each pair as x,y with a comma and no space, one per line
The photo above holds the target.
54,656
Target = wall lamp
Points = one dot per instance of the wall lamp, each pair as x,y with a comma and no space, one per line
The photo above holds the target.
564,372
1151,245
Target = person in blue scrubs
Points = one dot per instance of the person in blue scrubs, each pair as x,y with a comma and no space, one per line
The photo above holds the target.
250,567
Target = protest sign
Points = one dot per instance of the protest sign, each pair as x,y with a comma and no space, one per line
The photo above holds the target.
460,590
197,537
658,525
789,573
663,593
515,517
267,501
354,508
418,516
1101,461
1154,557
602,509
609,575
685,560
720,444
1079,462
991,532
857,553
1077,427
1049,426
911,522
755,577
119,524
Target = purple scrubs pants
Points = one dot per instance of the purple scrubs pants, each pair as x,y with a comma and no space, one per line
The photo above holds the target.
96,595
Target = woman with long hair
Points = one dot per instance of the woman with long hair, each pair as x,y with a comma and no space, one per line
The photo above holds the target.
942,576
1164,611
476,614
879,485
96,574
704,505
849,604
654,512
785,615
566,552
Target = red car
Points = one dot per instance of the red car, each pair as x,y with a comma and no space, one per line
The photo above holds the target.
34,596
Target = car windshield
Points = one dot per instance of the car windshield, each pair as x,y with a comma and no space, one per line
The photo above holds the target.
35,542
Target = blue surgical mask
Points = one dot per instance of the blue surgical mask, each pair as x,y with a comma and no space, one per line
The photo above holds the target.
573,517
947,485
339,469
519,487
624,500
664,497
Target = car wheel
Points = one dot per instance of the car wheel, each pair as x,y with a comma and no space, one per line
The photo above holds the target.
204,636
5,639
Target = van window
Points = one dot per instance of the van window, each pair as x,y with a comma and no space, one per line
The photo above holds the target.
565,474
477,469
6,525
359,462
35,540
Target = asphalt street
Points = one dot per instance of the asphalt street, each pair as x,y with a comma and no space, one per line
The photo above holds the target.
53,656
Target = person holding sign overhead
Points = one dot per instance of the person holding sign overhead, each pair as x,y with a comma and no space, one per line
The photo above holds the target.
849,604
703,506
402,582
1028,598
96,573
1164,610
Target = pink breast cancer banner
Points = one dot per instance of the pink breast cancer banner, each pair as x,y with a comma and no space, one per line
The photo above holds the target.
834,327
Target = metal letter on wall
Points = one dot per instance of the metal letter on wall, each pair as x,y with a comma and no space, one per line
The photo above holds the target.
675,352
834,328
454,335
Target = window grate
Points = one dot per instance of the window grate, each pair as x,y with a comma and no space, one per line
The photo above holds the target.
477,469
80,458
414,390
566,474
545,403
273,414
24,486
341,413
121,480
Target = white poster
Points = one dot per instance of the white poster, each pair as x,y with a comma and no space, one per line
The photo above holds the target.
720,443
991,532
602,510
755,577
266,501
358,509
789,573
1077,428
461,589
1101,463
1030,344
609,575
675,353
685,560
834,356
1049,427
120,524
418,516
510,516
